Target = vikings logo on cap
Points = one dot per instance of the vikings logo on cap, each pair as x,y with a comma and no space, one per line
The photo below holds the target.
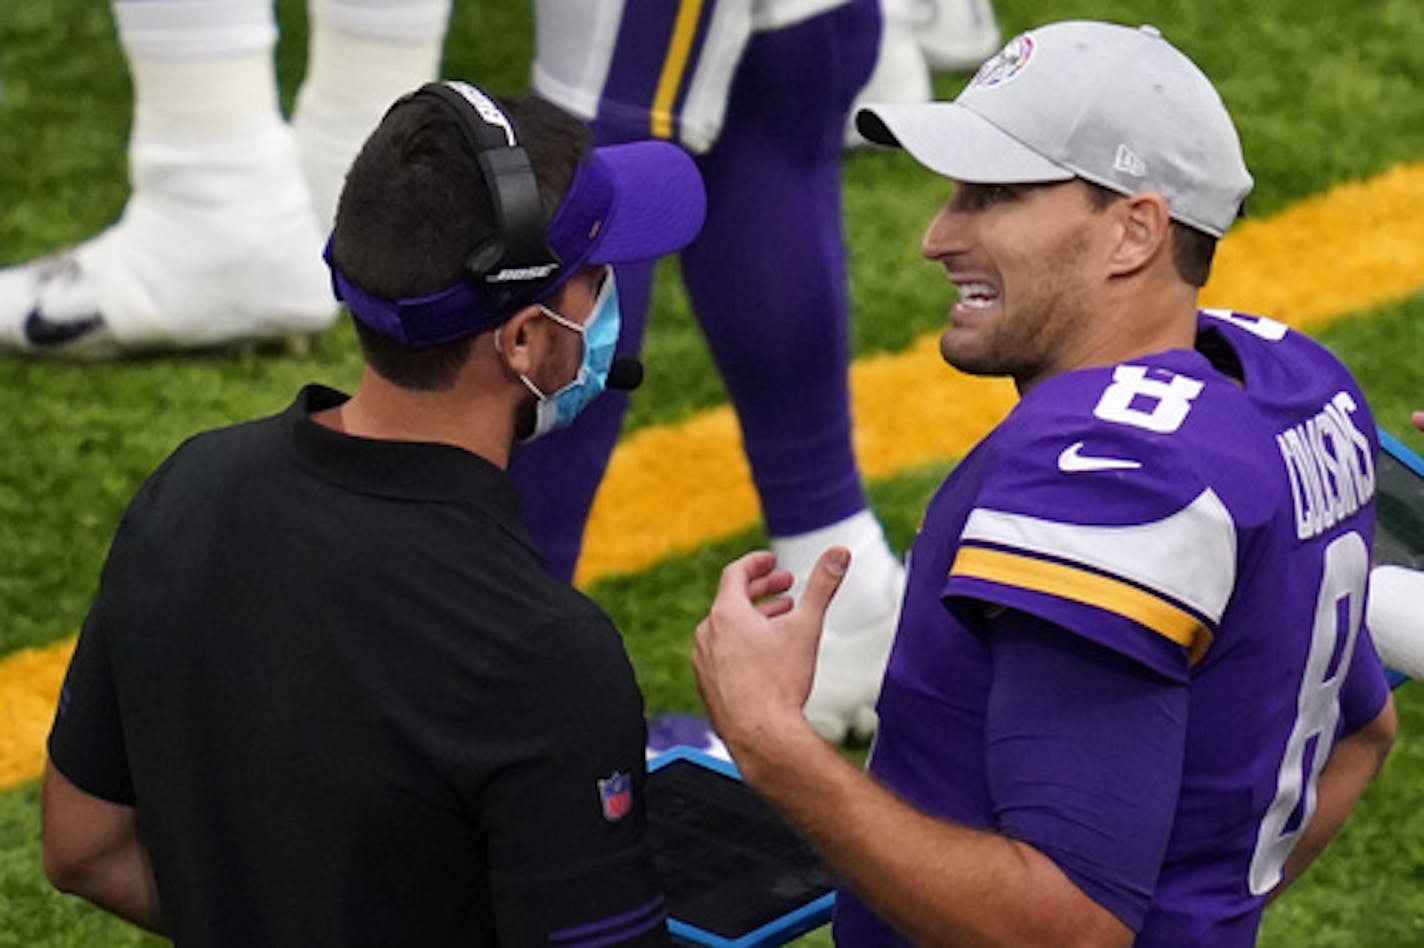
1009,62
615,795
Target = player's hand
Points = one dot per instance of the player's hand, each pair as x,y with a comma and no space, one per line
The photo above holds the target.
755,657
1418,419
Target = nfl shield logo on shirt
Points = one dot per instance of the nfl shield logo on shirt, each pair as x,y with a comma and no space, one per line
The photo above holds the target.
616,796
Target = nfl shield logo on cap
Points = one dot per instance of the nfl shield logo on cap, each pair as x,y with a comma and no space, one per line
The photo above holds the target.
615,795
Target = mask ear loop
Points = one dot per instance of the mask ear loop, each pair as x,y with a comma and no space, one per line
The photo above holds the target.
581,329
561,320
533,389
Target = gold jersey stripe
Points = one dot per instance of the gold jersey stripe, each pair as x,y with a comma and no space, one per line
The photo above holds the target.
679,49
1068,582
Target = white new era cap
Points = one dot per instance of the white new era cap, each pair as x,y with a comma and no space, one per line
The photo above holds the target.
1117,106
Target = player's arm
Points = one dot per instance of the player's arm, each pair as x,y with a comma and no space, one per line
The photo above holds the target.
1354,761
91,848
931,879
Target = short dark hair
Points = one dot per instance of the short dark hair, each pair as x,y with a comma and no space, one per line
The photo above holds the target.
1192,249
415,204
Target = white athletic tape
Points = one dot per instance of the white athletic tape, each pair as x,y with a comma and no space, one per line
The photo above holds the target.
1396,618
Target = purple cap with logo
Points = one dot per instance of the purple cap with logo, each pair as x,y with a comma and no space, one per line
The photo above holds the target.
626,203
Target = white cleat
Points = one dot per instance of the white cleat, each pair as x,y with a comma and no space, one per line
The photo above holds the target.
47,307
211,250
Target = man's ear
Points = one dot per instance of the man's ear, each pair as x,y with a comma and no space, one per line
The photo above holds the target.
514,341
1144,232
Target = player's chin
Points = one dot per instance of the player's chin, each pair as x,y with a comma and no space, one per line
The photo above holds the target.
965,349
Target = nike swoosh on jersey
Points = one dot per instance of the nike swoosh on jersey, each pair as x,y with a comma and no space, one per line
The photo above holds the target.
1073,461
43,331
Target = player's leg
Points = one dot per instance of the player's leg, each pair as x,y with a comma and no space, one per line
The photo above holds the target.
603,61
608,64
767,281
217,241
363,55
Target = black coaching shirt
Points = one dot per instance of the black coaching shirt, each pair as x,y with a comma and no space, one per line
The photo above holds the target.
349,707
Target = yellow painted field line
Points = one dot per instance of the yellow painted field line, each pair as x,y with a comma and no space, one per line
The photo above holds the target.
673,488
29,688
1357,246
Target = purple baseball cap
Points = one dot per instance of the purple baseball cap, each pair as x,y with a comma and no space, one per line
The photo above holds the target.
626,203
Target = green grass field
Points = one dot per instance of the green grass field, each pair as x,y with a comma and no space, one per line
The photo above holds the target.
1323,92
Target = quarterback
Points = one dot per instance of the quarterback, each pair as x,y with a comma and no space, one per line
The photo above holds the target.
1131,695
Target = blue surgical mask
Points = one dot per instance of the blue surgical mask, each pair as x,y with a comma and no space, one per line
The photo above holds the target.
600,337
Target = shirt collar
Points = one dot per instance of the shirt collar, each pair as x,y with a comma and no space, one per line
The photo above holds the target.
412,470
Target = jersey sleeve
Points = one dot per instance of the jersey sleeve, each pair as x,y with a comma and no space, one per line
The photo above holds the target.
1084,751
1105,526
565,817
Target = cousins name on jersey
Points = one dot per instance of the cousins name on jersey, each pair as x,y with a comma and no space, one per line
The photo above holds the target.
1330,464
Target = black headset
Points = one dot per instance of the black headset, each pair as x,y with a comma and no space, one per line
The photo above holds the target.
517,258
518,254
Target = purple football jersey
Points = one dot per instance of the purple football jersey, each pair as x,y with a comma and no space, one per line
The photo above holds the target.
1216,533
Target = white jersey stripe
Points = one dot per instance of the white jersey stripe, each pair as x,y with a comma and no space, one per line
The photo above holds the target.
1189,557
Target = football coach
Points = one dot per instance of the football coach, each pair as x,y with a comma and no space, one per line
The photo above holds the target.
325,694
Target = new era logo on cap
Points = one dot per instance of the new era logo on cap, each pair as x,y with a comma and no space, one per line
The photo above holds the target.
1127,162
